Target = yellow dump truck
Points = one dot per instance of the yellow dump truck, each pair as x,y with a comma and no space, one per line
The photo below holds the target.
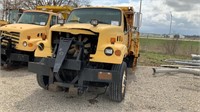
93,48
19,41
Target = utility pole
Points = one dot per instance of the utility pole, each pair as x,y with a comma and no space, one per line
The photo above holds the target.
138,22
140,6
140,12
170,26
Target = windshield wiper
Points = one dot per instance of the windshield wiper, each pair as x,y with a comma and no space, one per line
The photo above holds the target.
33,23
102,22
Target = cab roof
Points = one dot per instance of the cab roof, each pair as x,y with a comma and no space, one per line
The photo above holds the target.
128,8
48,12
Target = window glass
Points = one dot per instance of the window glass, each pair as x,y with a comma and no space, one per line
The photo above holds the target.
36,18
53,20
103,15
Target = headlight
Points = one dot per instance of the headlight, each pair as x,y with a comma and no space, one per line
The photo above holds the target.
24,43
108,51
41,46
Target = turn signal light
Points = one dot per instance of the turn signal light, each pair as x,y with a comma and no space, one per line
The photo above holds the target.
118,53
112,40
30,45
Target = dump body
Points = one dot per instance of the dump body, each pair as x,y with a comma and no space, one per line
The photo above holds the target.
19,41
93,48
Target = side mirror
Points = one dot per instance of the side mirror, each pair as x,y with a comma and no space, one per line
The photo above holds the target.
61,21
137,22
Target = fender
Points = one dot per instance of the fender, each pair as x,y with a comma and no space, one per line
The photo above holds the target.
101,57
43,53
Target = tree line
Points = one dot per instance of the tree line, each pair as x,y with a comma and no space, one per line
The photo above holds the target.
31,4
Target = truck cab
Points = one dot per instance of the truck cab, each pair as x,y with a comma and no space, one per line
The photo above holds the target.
93,48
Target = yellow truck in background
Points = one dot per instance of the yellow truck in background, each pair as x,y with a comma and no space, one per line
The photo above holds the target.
93,48
13,16
19,41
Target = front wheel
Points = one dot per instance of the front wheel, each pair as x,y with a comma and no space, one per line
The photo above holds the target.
43,81
117,89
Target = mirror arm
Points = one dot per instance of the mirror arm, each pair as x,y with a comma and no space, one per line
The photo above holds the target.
130,29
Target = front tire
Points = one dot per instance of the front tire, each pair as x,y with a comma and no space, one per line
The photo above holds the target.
43,81
117,89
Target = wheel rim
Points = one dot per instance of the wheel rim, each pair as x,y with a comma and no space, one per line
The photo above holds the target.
123,82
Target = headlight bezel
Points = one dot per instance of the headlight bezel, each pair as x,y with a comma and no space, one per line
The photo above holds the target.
41,46
25,44
108,51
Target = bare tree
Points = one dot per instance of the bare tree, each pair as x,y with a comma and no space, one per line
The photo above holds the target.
78,3
75,3
31,4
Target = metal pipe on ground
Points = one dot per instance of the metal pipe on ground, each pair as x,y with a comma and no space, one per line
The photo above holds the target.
179,70
195,57
180,66
189,62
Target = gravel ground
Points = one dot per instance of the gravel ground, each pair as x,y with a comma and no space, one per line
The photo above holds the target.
145,93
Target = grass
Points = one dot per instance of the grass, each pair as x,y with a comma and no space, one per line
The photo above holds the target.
156,59
184,47
153,51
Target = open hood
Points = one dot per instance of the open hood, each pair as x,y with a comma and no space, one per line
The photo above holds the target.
83,28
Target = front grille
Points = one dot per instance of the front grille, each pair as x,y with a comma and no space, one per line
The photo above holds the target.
13,36
87,42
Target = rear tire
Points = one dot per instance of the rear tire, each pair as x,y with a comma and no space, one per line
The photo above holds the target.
117,89
43,81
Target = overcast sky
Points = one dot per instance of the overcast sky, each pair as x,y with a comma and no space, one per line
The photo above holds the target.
156,14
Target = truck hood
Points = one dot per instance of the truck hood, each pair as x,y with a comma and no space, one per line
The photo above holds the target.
20,27
83,27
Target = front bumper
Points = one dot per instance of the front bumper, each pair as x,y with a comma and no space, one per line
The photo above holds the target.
85,74
14,56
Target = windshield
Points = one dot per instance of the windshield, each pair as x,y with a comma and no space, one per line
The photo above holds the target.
36,18
103,15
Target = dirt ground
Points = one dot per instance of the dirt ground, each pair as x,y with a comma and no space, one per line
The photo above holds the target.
19,92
